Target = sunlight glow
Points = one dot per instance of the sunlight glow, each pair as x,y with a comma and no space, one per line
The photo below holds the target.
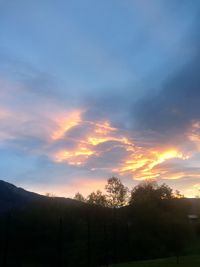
76,157
142,166
139,162
86,146
66,123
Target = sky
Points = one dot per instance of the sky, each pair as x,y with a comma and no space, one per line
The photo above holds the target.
95,89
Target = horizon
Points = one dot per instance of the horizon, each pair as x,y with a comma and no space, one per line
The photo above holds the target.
95,90
51,195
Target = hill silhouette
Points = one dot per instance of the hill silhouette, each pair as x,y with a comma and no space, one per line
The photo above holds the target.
13,197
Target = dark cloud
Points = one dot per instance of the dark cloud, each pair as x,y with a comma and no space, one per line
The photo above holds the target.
112,104
177,168
35,82
63,144
175,106
107,159
79,131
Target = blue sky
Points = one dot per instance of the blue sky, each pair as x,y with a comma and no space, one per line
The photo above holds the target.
90,89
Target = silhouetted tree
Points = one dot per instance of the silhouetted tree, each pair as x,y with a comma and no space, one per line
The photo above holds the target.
117,193
50,195
78,196
150,191
97,198
177,194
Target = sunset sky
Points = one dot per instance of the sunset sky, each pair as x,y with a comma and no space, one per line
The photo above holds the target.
92,89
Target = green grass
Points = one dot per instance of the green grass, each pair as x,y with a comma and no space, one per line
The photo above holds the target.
185,261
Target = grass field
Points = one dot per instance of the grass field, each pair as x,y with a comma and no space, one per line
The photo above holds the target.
185,261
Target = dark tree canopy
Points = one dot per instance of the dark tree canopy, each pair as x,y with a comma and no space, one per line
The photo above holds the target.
150,191
78,196
97,198
117,193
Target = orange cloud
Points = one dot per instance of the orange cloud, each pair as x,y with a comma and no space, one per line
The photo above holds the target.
104,128
65,123
85,146
137,161
74,157
141,165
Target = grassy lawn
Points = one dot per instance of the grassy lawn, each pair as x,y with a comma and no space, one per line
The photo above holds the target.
185,261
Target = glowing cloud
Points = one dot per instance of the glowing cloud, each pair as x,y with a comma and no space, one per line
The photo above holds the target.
66,123
141,165
86,143
104,128
99,138
76,157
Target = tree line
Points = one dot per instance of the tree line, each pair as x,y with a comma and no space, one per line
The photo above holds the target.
118,195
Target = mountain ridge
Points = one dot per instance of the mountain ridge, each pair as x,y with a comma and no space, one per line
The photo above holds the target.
13,197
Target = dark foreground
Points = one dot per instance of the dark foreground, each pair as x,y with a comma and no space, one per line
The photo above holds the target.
56,232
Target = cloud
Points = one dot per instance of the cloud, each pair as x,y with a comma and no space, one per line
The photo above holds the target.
72,142
76,108
26,75
173,109
177,169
